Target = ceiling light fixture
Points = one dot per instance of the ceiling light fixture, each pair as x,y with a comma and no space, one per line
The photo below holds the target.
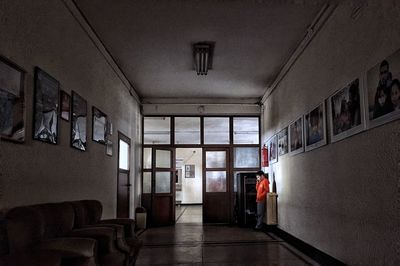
203,55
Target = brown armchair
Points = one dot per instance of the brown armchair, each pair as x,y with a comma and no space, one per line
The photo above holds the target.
59,220
26,244
88,214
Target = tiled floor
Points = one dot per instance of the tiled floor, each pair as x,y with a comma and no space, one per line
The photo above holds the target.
197,244
189,214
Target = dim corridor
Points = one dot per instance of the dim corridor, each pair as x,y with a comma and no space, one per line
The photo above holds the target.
196,244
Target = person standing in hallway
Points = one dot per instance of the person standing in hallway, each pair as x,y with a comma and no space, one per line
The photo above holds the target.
262,187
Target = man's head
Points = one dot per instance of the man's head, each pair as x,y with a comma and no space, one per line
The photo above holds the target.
384,71
260,175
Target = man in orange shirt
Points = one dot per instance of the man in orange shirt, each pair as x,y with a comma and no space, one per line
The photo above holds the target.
262,188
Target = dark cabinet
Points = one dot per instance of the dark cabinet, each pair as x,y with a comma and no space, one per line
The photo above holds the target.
245,199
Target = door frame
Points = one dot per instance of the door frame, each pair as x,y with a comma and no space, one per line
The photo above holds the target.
126,139
231,146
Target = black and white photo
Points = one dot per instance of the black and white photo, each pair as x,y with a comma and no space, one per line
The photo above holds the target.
79,122
46,99
99,132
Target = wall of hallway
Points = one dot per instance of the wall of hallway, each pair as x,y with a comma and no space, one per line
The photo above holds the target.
45,34
342,198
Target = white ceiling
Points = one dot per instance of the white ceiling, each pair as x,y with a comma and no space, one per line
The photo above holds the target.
151,41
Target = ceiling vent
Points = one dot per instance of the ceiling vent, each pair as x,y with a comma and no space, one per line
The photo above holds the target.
203,57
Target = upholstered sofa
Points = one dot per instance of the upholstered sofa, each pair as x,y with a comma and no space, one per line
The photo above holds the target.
66,233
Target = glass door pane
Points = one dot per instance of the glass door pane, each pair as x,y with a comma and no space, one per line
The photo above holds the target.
123,155
215,181
215,159
163,159
163,182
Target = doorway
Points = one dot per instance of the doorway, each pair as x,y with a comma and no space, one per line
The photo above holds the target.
123,180
189,185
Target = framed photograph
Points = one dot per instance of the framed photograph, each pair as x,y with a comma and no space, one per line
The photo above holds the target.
109,148
296,137
283,140
79,122
346,111
99,132
46,97
273,149
383,91
190,171
315,128
65,100
12,124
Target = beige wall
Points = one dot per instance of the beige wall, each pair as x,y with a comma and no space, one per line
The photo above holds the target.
342,198
45,34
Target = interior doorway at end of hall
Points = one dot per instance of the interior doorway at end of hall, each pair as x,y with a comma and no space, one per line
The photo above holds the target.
189,185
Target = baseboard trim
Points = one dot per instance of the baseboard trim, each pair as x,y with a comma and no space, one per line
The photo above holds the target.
314,253
191,204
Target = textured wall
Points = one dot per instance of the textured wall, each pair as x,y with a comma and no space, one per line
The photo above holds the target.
342,198
45,34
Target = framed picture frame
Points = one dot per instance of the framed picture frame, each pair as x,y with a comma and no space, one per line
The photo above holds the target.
65,104
45,107
78,122
109,148
190,171
283,142
346,111
12,101
99,126
382,96
315,127
296,136
273,149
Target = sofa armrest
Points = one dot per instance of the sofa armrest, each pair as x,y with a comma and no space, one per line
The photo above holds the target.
39,258
119,229
129,225
69,246
105,237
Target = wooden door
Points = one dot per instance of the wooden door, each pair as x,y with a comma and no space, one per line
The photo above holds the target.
163,188
216,185
123,177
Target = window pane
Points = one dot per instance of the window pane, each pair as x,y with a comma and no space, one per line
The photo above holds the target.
216,130
187,130
157,130
246,157
147,182
245,130
215,159
123,155
147,158
215,181
163,159
163,182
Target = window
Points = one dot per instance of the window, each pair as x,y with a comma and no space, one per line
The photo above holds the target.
157,130
216,130
247,157
245,130
187,130
123,155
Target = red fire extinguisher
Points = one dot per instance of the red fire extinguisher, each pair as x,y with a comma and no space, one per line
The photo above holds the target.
264,156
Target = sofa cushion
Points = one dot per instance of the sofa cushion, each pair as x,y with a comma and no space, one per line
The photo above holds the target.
58,218
25,227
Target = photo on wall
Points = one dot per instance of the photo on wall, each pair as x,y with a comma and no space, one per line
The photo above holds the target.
65,100
273,149
12,124
383,91
46,98
99,132
79,122
315,128
346,116
283,147
296,137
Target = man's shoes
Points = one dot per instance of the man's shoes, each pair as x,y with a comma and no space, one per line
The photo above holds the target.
257,228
